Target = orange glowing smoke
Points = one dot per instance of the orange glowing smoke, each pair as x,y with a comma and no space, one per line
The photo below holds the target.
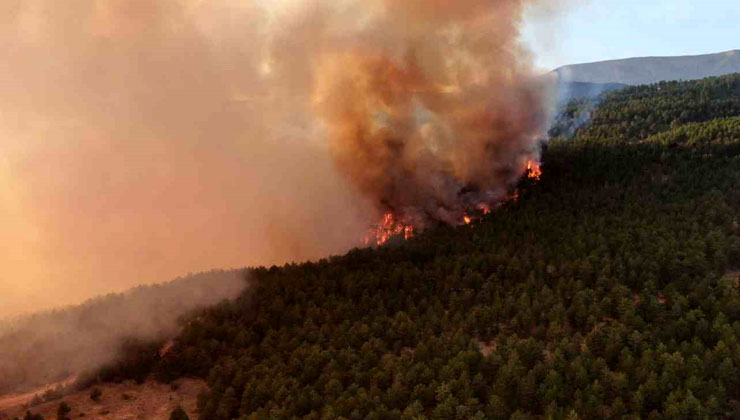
326,113
390,227
430,108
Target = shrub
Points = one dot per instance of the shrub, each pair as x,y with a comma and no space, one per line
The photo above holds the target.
96,394
179,414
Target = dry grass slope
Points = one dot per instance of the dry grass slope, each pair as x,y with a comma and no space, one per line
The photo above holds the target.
127,401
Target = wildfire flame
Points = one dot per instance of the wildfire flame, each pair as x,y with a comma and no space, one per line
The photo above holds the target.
387,229
533,170
391,226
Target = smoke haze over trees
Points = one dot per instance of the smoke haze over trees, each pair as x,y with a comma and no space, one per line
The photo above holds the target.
49,347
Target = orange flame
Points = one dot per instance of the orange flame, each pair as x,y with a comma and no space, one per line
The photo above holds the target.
391,227
388,228
533,170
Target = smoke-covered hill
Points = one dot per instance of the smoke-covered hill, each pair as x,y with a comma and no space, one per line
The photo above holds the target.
646,70
52,346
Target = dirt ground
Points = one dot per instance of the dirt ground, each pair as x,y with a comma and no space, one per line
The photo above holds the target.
9,401
127,401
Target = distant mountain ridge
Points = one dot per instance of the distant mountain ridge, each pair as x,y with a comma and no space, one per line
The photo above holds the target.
568,91
647,70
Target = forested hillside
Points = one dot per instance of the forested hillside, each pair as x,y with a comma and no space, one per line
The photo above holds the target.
51,347
606,290
636,112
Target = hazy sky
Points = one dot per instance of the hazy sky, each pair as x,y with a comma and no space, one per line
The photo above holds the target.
607,29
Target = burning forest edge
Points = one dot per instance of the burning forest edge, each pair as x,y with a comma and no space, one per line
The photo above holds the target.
396,226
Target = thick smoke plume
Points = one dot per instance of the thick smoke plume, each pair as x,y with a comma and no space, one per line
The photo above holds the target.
143,139
431,108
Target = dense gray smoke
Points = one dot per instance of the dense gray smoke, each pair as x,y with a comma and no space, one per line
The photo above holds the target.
53,346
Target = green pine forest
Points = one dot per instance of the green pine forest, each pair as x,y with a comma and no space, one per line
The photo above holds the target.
610,289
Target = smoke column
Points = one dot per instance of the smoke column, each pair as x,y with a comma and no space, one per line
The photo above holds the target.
144,139
431,108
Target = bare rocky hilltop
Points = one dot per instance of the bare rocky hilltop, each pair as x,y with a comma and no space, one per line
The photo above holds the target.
646,70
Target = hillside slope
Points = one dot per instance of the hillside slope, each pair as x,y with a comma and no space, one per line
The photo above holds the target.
568,91
48,347
607,289
646,70
124,401
636,112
